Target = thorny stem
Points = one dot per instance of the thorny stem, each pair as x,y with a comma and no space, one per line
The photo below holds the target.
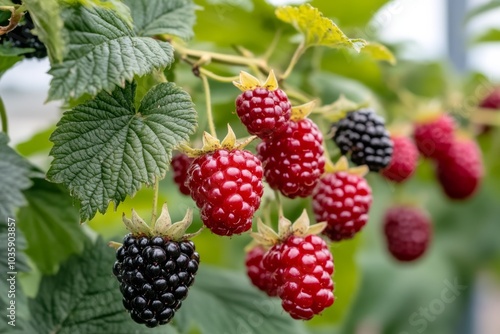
155,200
295,58
208,102
3,116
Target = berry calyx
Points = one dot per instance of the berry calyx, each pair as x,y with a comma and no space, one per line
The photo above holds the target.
407,231
342,199
460,170
226,184
404,160
155,267
180,165
263,108
293,160
434,134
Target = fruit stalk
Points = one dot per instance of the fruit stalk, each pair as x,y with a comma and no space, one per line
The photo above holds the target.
208,102
155,200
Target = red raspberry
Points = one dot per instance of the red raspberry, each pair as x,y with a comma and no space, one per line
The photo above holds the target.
259,276
491,102
227,187
180,164
271,263
404,160
342,200
264,112
305,269
407,231
434,137
293,160
461,169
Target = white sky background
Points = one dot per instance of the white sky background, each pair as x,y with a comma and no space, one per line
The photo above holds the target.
421,23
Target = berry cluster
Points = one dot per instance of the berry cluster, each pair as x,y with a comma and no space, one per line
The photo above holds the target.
298,267
22,37
459,165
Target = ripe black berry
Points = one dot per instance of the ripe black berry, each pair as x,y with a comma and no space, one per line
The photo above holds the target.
363,134
155,276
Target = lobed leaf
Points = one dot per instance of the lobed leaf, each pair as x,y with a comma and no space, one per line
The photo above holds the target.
105,149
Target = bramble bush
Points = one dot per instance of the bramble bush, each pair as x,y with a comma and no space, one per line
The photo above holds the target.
229,117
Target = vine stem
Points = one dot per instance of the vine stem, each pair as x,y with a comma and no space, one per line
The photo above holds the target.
295,58
3,116
155,200
217,77
220,57
208,102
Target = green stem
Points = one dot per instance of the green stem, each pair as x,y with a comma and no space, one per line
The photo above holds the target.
220,57
155,200
295,58
216,77
277,195
3,116
273,45
208,102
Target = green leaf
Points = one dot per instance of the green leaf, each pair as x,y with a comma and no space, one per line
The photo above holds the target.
481,9
224,302
39,143
492,35
378,51
46,15
105,149
158,17
9,56
84,297
115,5
103,53
50,219
15,174
317,29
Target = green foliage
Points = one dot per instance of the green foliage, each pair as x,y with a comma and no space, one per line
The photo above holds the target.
158,17
103,52
105,149
50,218
16,172
483,8
492,35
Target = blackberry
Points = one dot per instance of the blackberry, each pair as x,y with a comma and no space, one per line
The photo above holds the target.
155,275
363,134
22,37
155,268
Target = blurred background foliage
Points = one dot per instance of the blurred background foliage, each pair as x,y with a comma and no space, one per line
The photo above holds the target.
373,292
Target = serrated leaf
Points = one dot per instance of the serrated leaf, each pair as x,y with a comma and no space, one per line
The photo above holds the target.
378,51
15,174
50,219
317,29
84,297
115,5
103,53
46,15
105,149
158,17
224,302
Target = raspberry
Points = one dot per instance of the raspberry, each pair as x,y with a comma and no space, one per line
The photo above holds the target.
460,171
363,134
293,160
404,160
407,231
264,112
227,186
154,274
259,276
434,136
22,37
490,102
342,200
305,268
180,165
